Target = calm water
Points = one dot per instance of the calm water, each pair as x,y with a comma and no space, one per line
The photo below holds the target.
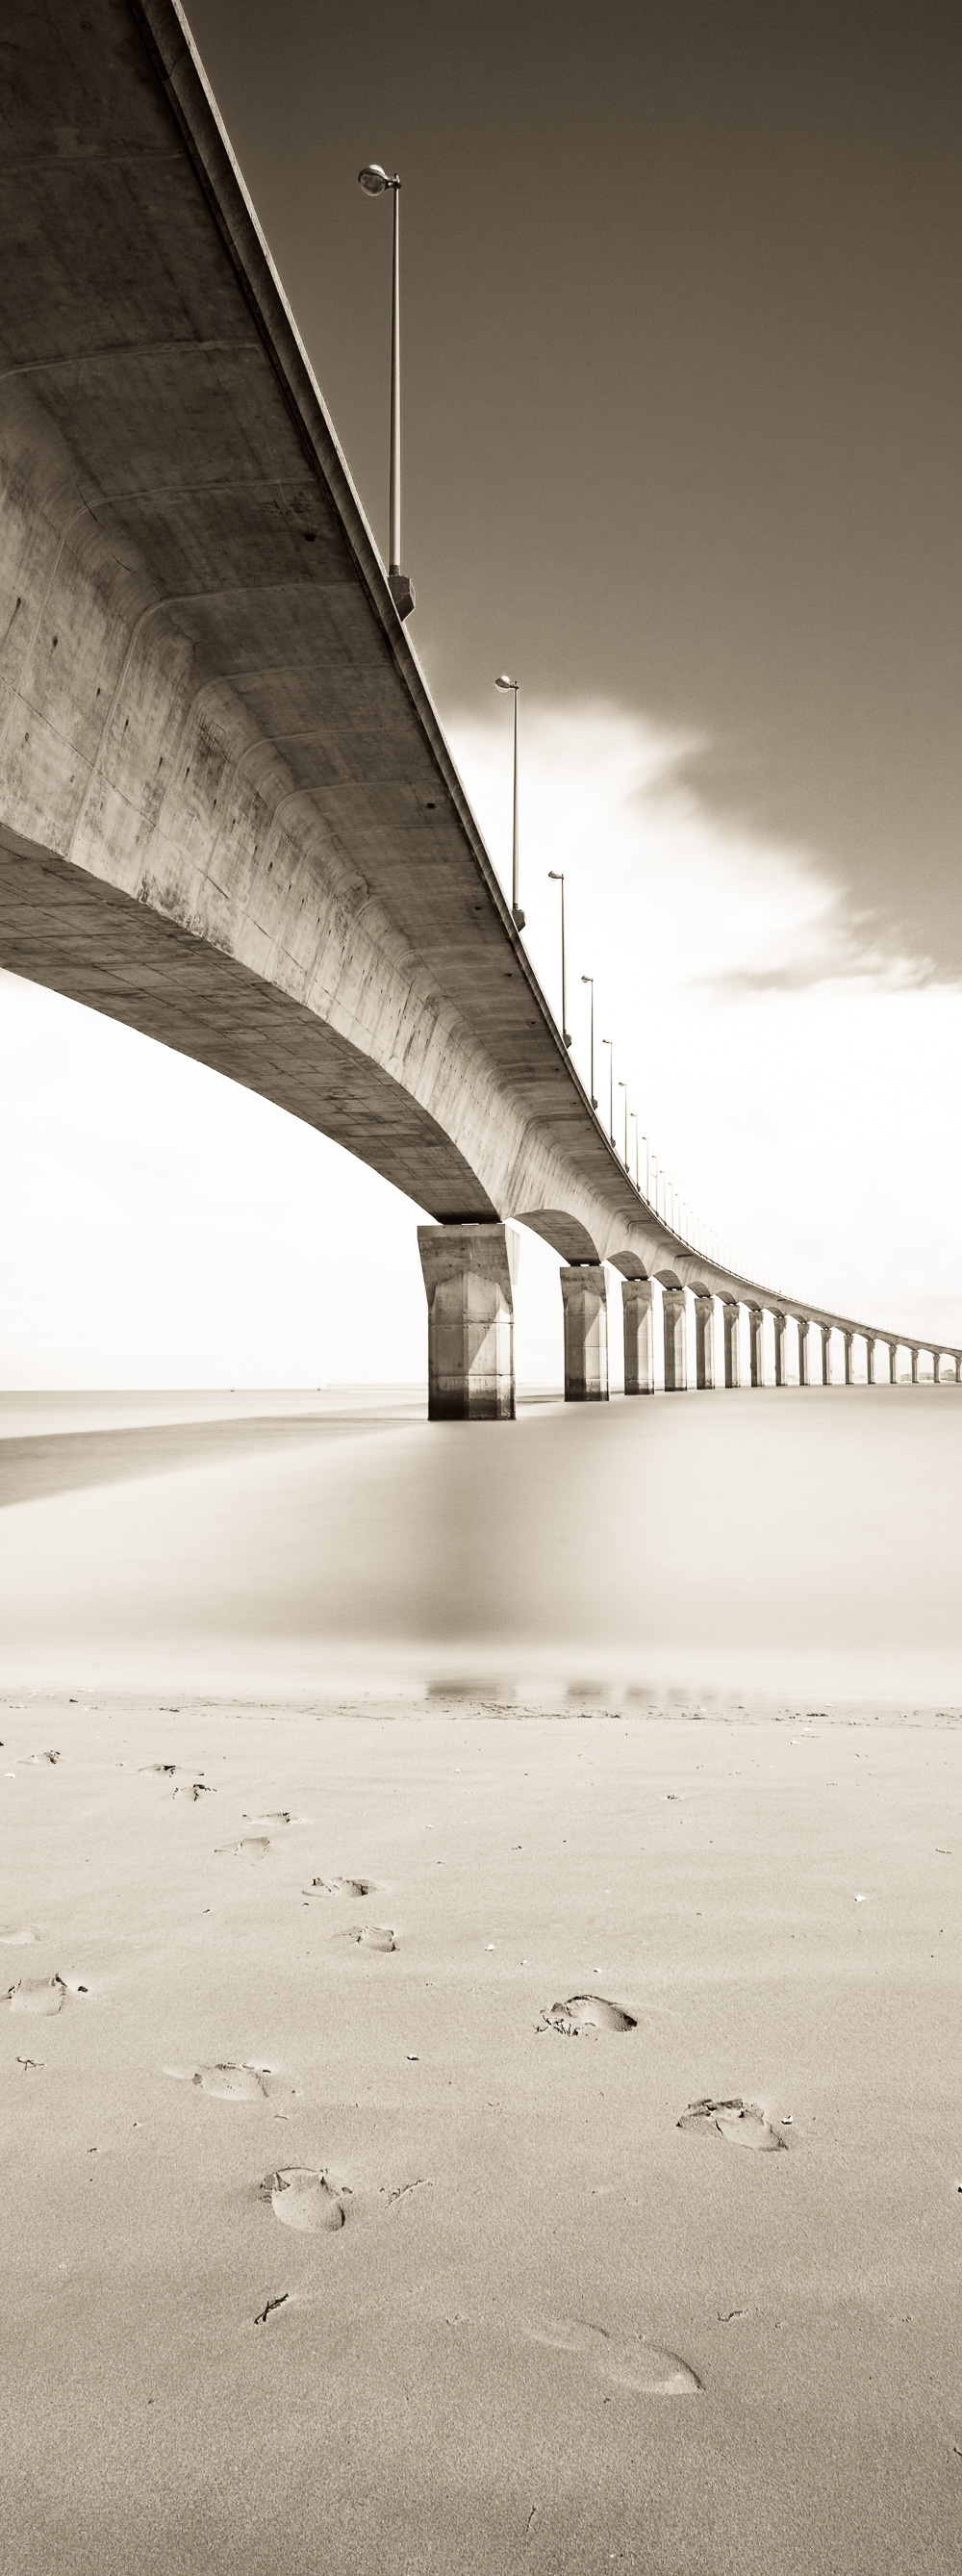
777,1542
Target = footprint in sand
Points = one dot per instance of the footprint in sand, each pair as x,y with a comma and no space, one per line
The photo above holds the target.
302,2197
43,1995
587,2013
250,1847
277,1816
628,2361
228,2083
341,1887
373,1936
188,1784
743,2123
20,1939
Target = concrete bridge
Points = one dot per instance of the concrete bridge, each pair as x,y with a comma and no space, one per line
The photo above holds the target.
228,813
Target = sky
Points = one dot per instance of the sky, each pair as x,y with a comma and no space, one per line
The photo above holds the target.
681,385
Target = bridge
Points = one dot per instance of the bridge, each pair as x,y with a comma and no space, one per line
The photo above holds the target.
228,813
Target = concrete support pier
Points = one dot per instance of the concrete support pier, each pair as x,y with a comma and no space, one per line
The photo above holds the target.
893,1350
676,1356
469,1271
803,1376
914,1358
848,1340
638,1301
870,1358
586,1333
704,1341
733,1371
937,1366
826,1354
779,1322
755,1345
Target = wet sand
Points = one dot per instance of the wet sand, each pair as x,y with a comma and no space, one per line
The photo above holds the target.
433,2279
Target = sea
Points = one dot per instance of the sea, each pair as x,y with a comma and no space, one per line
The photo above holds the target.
753,1548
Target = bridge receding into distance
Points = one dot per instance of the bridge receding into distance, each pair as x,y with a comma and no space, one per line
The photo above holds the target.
228,813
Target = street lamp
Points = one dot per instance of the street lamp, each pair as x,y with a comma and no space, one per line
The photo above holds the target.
557,876
516,912
589,979
624,1087
647,1148
634,1121
611,1089
375,182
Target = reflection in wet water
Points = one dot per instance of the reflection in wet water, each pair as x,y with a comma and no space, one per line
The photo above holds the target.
764,1541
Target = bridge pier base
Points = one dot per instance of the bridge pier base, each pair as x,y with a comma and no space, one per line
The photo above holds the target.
803,1376
676,1357
732,1345
704,1341
755,1345
847,1339
779,1322
586,1333
826,1331
870,1358
637,1297
469,1271
914,1359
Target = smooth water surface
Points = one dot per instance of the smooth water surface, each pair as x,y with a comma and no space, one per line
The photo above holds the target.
773,1541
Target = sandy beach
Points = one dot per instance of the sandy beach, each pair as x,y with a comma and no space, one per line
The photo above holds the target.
346,2227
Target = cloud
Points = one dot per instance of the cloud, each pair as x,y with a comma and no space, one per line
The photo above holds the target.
792,1066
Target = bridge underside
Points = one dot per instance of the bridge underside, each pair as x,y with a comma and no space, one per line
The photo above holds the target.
84,938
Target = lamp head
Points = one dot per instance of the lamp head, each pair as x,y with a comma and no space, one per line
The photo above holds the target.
557,875
587,979
505,683
373,180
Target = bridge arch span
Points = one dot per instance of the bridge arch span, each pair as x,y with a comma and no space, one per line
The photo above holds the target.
565,1233
629,1263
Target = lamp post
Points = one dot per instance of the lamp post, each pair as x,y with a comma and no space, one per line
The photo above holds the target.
375,183
589,979
611,1089
516,912
624,1087
647,1148
557,876
634,1121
